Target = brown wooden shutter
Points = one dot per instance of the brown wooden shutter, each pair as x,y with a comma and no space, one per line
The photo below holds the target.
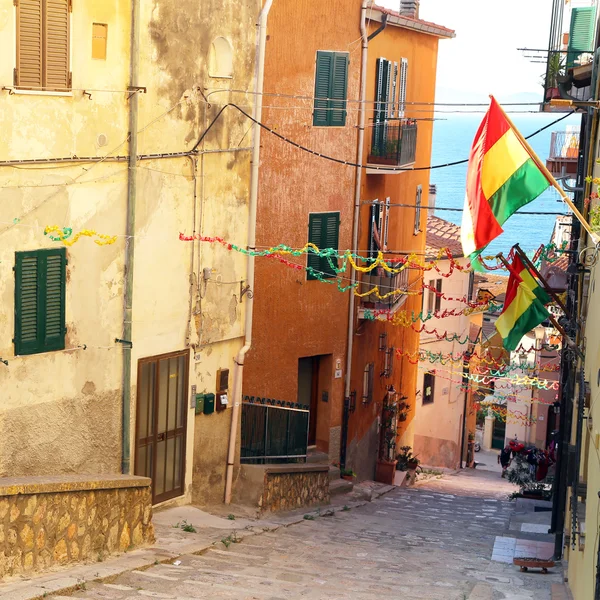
29,44
56,45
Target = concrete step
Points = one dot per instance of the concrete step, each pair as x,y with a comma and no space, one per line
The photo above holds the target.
340,486
334,473
316,456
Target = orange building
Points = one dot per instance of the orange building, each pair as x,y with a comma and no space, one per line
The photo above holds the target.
317,94
401,75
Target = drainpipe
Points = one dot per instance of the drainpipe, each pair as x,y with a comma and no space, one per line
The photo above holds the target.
357,192
238,369
129,240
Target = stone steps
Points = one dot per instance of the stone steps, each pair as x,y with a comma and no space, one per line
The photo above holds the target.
334,473
340,486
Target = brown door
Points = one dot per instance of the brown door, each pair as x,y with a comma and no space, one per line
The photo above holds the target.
308,392
161,423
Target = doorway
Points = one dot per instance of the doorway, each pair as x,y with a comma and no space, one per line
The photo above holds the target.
161,423
308,392
499,430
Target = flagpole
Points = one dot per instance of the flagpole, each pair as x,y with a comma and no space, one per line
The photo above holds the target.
542,167
551,318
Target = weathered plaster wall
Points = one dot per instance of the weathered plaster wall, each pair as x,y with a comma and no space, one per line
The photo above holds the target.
65,407
294,317
50,522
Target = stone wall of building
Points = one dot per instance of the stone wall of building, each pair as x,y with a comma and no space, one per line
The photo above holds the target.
49,521
287,491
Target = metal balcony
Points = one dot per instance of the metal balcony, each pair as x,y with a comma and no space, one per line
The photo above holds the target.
373,305
564,153
393,144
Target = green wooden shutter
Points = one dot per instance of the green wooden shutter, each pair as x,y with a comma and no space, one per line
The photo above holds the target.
40,282
322,88
315,236
54,300
581,33
331,233
339,89
26,303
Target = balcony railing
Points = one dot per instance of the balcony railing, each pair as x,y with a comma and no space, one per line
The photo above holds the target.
393,143
386,283
273,431
564,153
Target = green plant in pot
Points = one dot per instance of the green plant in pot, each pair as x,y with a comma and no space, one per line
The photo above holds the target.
406,460
555,68
347,474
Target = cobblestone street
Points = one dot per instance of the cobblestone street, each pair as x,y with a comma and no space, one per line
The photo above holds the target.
434,541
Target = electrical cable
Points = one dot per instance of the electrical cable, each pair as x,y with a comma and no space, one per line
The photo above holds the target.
345,162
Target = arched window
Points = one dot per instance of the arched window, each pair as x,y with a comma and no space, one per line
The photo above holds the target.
221,58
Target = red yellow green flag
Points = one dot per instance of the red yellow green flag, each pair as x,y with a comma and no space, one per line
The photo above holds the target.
523,307
501,178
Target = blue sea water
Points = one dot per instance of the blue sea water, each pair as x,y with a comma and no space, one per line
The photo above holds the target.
452,140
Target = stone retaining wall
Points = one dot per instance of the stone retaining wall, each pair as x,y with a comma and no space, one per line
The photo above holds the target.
287,491
48,521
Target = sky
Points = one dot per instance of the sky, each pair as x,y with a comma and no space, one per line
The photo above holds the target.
483,58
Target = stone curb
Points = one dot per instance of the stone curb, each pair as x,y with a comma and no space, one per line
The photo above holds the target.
74,579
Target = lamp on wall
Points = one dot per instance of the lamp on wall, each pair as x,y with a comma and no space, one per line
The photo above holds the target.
523,359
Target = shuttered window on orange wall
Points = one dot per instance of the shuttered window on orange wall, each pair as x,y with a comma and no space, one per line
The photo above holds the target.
43,32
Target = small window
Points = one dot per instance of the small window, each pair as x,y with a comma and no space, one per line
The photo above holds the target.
40,286
331,87
220,62
99,40
418,197
367,396
438,296
428,388
323,232
43,45
430,307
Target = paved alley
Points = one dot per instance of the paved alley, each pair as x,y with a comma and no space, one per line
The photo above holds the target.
431,542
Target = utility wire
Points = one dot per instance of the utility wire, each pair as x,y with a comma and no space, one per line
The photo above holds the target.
345,162
520,212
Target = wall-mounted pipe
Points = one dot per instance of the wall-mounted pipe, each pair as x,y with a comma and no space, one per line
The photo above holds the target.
357,189
130,239
238,370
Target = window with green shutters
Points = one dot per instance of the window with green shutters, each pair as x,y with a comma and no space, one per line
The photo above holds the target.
40,286
581,33
331,88
323,232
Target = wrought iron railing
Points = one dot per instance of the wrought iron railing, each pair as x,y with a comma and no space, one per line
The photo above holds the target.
393,143
273,431
385,283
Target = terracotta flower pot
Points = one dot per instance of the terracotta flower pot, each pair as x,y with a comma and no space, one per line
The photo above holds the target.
386,471
348,477
412,465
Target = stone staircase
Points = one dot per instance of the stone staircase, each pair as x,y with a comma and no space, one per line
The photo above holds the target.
337,485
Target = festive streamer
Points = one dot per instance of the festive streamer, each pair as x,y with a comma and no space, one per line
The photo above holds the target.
414,261
63,235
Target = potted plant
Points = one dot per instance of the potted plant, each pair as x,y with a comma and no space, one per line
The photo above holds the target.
412,463
554,70
347,474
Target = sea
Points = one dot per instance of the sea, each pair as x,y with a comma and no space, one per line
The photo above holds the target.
452,139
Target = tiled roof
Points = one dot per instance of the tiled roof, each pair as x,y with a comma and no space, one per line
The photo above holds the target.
496,284
418,24
442,234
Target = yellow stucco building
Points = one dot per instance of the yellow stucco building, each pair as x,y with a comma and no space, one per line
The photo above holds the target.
113,330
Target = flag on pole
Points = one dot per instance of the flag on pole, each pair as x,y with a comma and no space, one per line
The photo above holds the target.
523,307
502,177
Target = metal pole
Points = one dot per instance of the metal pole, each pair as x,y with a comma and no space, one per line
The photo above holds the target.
130,241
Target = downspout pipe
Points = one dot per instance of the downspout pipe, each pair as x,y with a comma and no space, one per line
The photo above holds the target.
238,369
357,190
130,239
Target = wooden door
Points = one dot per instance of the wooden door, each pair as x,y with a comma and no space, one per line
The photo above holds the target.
308,392
161,423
